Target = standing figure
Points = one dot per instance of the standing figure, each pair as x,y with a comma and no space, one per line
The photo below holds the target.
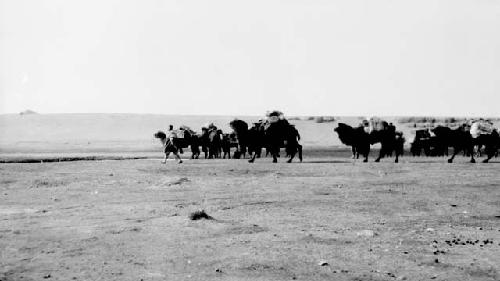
168,144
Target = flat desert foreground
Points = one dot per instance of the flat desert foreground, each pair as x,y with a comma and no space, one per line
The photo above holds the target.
325,219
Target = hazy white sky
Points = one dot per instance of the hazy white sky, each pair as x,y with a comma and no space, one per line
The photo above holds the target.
305,57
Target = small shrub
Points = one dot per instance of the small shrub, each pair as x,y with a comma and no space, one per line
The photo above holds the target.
198,215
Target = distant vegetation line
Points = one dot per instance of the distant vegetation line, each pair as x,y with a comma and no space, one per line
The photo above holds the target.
423,119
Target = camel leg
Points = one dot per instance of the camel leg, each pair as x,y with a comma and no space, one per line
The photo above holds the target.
380,154
300,152
353,149
490,151
366,158
165,158
471,151
252,157
178,157
455,151
292,155
275,154
244,152
365,151
195,153
489,157
472,160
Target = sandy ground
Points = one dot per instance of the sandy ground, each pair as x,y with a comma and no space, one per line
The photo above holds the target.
329,218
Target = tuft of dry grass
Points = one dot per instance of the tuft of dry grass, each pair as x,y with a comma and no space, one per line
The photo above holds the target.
198,215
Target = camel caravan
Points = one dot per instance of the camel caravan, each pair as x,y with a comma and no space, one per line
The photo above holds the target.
271,133
371,131
470,137
275,132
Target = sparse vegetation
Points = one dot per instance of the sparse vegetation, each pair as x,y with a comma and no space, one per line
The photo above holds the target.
46,183
320,119
198,215
432,120
324,119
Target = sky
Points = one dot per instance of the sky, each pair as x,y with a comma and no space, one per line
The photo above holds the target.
227,57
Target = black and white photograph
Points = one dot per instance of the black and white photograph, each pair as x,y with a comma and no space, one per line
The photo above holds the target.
226,140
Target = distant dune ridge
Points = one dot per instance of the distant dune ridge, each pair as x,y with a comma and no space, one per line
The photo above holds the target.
78,133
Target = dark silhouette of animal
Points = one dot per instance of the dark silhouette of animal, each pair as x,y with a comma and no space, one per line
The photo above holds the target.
389,140
460,139
204,141
357,138
275,135
291,143
360,140
168,145
256,140
189,139
214,143
240,131
226,144
421,142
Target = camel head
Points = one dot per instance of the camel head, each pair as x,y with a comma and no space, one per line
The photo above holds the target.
160,135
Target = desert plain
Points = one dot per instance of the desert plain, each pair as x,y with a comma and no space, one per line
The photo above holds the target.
328,218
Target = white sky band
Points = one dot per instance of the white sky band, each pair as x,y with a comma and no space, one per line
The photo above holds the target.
233,57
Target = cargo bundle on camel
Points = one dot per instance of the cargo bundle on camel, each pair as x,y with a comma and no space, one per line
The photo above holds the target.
469,135
371,131
274,133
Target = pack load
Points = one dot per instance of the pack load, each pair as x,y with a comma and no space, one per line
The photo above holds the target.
187,129
481,127
274,116
179,134
210,126
373,124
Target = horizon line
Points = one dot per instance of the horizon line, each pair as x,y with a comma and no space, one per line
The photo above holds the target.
246,115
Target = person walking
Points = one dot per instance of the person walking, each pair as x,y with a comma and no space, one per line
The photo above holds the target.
169,145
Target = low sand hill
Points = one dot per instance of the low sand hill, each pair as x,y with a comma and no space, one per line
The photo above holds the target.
93,133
